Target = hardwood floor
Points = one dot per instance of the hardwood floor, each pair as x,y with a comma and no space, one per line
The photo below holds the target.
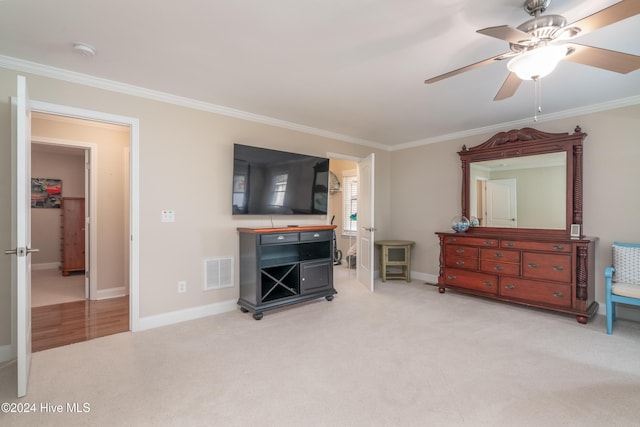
71,322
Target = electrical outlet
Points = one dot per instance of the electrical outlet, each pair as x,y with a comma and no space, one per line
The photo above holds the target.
182,287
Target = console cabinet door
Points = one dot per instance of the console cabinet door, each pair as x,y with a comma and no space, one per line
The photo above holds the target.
315,276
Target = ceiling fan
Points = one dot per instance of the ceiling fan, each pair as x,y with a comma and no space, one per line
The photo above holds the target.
537,45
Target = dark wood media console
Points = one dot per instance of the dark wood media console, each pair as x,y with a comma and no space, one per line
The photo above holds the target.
284,266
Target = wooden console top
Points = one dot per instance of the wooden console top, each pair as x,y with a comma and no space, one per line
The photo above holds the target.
285,229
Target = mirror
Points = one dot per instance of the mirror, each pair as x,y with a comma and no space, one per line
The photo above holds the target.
524,180
524,192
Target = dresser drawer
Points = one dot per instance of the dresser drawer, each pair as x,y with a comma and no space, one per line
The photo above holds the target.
467,279
276,238
309,236
472,241
459,262
500,255
546,266
536,246
457,251
500,267
534,291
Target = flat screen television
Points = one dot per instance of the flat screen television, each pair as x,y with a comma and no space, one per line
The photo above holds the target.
272,182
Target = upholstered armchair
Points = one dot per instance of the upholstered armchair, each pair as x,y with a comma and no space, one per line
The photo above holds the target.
622,279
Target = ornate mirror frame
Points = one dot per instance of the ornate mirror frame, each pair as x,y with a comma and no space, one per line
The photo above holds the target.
526,142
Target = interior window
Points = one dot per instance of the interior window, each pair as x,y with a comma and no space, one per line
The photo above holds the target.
350,203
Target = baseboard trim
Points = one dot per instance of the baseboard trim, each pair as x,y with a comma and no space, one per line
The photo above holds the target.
7,352
627,312
430,279
111,293
179,316
46,266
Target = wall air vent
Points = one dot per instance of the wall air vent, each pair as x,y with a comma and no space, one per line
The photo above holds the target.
218,273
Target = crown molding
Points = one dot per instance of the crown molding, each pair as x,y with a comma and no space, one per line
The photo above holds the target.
574,112
21,65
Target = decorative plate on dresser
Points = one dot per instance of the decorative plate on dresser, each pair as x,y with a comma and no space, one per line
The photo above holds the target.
525,188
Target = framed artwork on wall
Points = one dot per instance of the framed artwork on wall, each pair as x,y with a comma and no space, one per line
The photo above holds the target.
46,193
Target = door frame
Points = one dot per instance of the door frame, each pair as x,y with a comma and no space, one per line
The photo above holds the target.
338,156
134,190
90,195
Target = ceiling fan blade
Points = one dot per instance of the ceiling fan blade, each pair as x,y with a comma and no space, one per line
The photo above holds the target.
509,87
602,58
510,34
607,16
468,67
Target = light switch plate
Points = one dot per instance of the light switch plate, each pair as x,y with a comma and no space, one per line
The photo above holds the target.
167,215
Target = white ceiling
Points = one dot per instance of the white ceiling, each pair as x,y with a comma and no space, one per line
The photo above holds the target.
353,69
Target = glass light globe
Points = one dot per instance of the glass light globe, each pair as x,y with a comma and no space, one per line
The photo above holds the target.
537,63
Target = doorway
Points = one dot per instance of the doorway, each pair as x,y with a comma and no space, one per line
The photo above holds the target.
343,172
76,289
363,225
52,280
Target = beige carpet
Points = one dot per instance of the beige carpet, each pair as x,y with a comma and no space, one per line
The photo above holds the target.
403,356
51,287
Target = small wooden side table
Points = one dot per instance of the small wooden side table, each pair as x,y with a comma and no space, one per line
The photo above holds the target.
395,253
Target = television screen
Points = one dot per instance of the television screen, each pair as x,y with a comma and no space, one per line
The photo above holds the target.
272,182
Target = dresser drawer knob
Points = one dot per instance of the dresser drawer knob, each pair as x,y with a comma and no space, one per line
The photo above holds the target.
488,242
459,251
499,255
316,234
510,244
558,247
533,265
499,268
452,239
459,262
558,268
510,287
281,237
558,294
487,283
451,277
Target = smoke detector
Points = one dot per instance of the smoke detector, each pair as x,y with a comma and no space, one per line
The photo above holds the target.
84,49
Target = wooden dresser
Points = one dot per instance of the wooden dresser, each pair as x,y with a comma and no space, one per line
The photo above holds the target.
555,274
72,235
523,188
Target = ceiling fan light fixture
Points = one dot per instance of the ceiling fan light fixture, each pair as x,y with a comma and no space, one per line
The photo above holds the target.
537,63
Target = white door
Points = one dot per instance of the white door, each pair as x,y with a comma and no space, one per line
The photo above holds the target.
87,222
21,225
501,203
366,229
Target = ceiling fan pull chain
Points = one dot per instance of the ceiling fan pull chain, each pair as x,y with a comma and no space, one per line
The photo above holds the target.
537,98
